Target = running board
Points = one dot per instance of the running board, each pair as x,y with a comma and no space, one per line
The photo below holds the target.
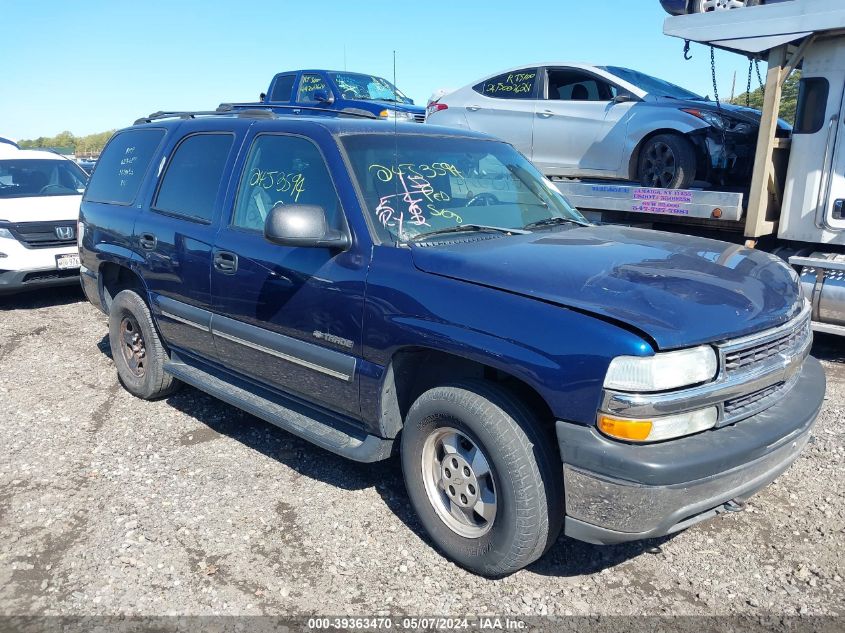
316,426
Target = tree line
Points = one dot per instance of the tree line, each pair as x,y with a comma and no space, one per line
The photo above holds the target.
788,102
80,145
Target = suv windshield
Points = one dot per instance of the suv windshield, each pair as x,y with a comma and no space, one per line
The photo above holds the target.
368,87
414,185
47,177
652,85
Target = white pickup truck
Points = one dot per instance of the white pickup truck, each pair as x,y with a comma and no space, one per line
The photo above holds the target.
40,194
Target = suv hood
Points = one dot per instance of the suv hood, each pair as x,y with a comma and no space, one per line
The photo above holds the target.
678,290
40,208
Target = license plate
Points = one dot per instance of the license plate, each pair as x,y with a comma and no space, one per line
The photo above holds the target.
66,262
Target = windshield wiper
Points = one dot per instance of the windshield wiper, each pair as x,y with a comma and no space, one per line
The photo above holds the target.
460,228
553,222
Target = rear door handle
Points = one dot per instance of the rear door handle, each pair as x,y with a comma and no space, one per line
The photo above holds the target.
545,114
225,262
148,241
473,108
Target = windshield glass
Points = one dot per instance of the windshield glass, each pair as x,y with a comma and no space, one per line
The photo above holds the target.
652,85
47,177
355,86
414,185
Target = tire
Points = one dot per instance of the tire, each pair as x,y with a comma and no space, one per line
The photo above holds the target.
140,366
525,477
667,161
702,6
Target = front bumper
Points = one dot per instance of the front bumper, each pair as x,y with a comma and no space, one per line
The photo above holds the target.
12,281
618,492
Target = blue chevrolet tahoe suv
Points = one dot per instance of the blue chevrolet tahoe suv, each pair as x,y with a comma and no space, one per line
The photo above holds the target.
339,90
425,291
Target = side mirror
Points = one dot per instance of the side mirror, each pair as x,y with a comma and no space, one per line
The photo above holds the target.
302,225
624,97
323,96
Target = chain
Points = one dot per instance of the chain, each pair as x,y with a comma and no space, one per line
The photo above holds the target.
713,71
748,88
759,76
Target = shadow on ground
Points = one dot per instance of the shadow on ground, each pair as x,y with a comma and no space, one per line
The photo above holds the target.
42,298
829,347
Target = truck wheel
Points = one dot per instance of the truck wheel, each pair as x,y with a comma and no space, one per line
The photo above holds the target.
483,477
667,161
136,348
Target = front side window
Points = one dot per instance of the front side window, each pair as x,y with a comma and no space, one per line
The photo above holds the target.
122,166
812,105
368,88
308,85
191,182
573,85
40,177
283,88
413,185
514,85
283,170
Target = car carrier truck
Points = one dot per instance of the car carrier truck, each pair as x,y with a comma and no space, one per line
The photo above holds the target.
795,206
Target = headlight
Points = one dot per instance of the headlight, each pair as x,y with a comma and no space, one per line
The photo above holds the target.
666,370
707,116
657,429
5,233
394,114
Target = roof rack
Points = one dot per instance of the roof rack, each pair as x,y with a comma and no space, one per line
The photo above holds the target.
246,107
252,113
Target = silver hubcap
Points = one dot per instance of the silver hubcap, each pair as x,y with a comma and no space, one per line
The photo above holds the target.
660,165
718,5
459,482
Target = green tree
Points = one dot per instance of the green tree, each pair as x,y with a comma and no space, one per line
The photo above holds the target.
788,102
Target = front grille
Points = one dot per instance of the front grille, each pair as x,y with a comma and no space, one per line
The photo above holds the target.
43,234
750,403
757,353
48,275
419,118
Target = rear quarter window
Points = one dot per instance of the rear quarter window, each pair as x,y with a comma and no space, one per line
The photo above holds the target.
123,165
520,84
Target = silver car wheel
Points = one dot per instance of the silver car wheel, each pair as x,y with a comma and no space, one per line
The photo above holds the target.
660,165
717,5
459,482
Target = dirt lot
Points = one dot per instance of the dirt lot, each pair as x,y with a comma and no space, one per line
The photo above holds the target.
111,505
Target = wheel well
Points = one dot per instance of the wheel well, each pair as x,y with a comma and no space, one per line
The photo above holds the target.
414,371
114,278
634,162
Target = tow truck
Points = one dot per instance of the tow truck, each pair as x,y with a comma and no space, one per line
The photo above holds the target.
795,207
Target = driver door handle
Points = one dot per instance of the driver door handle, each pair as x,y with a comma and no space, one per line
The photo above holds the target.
473,108
545,114
225,262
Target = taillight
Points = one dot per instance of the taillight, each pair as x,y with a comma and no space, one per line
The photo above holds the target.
435,106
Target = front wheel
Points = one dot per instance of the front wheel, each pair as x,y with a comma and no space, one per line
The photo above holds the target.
667,161
705,6
483,476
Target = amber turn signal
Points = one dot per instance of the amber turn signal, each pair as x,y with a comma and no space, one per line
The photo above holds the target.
632,430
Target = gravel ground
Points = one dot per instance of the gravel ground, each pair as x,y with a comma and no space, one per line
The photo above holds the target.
111,505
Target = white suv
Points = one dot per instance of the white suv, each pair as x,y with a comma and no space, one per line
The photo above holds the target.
40,194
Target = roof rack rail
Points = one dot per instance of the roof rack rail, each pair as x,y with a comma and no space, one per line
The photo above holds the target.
252,113
247,107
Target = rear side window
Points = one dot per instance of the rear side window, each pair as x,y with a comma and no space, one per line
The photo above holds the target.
812,105
284,170
308,85
283,88
519,84
122,166
190,184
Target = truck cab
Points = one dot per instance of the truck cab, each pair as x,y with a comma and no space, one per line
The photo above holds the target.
341,90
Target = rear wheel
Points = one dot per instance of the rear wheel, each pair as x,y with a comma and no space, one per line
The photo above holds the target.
136,348
704,6
667,161
484,478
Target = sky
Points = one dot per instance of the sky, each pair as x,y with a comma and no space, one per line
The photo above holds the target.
97,65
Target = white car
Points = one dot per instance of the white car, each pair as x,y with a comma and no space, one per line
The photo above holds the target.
40,194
